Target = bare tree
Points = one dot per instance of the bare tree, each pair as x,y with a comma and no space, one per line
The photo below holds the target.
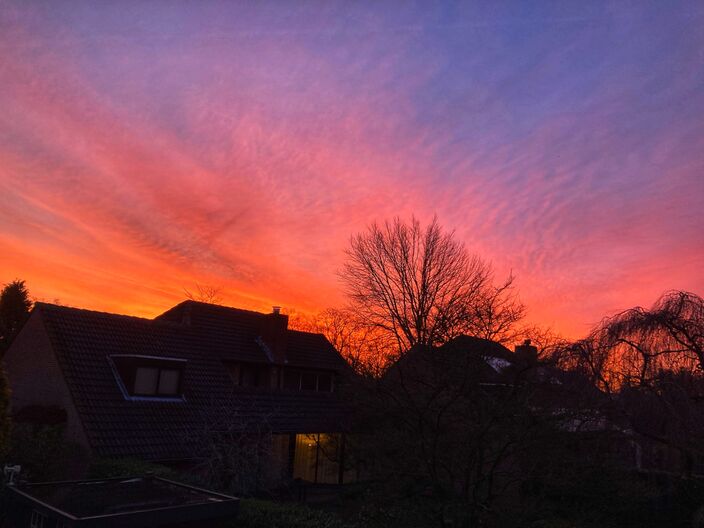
366,349
422,287
205,293
235,451
495,314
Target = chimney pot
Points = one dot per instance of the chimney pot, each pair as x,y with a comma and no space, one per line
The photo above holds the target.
276,310
527,351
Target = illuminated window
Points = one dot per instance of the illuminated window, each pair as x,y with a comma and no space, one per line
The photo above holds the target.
317,458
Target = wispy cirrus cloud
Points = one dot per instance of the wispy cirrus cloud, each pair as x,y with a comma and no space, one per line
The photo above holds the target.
145,148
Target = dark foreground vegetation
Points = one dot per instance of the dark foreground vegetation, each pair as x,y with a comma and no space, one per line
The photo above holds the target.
452,429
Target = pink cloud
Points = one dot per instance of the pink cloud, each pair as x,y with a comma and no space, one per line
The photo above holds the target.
247,161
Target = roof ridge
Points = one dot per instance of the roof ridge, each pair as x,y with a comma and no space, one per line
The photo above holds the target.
214,305
62,307
305,332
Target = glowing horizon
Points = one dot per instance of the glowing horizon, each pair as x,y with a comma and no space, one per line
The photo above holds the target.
147,147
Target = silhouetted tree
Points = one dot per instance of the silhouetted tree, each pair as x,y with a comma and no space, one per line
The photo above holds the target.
15,306
422,287
365,348
205,293
650,362
634,347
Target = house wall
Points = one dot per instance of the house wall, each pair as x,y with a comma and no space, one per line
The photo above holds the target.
279,465
36,378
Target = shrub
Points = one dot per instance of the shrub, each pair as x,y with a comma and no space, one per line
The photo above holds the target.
43,452
264,514
124,467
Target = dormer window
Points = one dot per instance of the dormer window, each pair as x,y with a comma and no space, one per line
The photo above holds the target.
153,381
248,374
308,380
149,376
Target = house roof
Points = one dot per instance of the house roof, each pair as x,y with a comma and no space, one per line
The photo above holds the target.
232,333
468,362
161,430
457,361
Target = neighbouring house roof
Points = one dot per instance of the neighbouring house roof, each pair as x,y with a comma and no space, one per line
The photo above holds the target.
466,362
457,361
83,341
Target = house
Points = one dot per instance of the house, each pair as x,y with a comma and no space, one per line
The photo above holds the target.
177,388
474,417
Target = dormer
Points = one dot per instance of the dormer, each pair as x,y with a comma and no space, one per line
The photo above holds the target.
149,377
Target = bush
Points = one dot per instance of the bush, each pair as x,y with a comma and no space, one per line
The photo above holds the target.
43,452
126,467
264,514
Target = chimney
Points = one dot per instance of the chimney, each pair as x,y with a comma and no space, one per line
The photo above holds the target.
527,352
274,329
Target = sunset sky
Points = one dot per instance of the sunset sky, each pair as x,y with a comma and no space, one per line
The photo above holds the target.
148,146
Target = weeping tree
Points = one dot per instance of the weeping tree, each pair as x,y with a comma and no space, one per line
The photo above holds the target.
635,347
650,362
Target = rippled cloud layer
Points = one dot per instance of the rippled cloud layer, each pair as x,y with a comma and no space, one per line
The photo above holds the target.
146,147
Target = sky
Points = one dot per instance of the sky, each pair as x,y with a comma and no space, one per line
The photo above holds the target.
149,146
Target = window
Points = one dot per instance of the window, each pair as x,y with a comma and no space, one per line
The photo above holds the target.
307,380
249,374
146,380
36,520
152,381
317,458
292,380
169,380
150,377
324,382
